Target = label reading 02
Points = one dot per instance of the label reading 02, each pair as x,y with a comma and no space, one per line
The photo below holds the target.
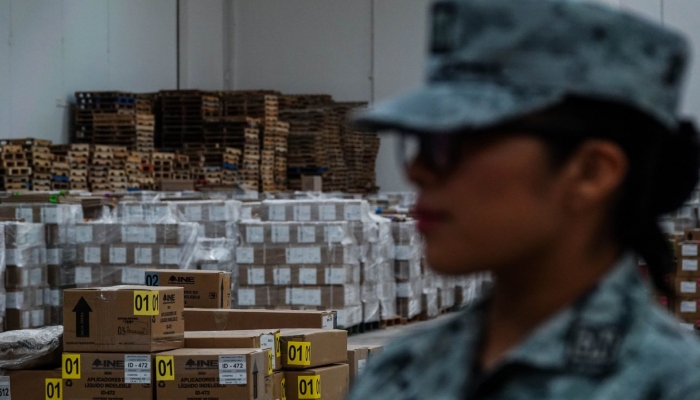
146,302
165,368
309,387
53,388
71,366
299,353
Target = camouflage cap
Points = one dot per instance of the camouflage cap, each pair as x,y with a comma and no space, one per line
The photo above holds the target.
493,60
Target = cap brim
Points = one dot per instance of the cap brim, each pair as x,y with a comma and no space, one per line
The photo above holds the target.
452,107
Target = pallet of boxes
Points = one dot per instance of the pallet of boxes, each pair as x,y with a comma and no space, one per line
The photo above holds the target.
302,255
686,280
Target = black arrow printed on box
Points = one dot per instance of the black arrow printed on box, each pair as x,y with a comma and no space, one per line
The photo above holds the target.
255,379
82,312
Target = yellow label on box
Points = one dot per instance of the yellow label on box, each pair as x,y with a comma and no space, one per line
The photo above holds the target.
309,387
299,353
278,346
165,368
283,387
71,366
270,361
53,388
146,302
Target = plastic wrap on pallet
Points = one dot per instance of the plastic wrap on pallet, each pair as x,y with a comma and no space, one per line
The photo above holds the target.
31,348
393,202
59,223
472,287
217,255
119,253
314,210
26,275
149,212
217,218
430,302
330,297
250,211
371,311
280,234
306,274
409,307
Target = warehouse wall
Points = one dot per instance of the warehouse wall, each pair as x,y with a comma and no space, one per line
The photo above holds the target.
50,49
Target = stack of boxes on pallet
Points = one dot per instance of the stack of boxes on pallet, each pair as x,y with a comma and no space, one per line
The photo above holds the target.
685,279
302,255
377,260
58,221
409,277
115,253
26,275
114,118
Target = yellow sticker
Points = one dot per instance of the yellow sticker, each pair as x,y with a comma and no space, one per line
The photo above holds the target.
283,387
146,302
165,368
270,361
299,353
309,387
70,366
278,346
53,388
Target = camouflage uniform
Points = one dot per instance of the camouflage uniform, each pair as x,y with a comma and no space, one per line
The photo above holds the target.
614,343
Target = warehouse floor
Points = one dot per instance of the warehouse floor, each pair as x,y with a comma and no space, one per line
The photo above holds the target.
385,336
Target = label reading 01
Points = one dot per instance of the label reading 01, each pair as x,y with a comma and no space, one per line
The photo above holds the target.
71,366
270,361
146,302
53,388
299,353
165,368
309,387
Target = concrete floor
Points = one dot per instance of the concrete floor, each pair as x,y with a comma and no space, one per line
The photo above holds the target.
384,336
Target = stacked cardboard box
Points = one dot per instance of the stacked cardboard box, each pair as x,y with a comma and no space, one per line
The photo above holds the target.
685,279
358,358
409,277
300,257
26,275
119,253
59,221
3,295
377,260
112,337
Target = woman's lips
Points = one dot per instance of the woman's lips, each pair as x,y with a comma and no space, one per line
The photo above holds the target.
428,220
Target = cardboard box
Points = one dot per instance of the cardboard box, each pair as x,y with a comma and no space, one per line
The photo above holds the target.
688,267
123,319
282,233
324,383
357,360
266,254
203,289
197,373
246,339
95,376
311,184
278,386
308,348
687,307
32,384
285,275
686,286
202,319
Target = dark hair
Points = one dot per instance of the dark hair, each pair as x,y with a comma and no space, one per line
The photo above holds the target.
663,169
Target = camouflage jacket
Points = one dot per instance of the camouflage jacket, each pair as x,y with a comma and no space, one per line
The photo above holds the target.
614,343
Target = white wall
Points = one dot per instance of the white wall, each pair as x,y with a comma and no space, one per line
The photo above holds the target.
50,49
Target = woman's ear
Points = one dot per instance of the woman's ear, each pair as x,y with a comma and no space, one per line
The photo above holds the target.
594,174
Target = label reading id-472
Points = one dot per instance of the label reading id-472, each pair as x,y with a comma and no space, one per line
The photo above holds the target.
137,369
232,370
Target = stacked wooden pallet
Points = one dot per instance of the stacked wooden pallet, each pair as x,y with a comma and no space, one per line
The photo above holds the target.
70,167
39,160
163,166
182,114
232,160
242,133
182,169
360,150
16,172
281,147
101,161
114,118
